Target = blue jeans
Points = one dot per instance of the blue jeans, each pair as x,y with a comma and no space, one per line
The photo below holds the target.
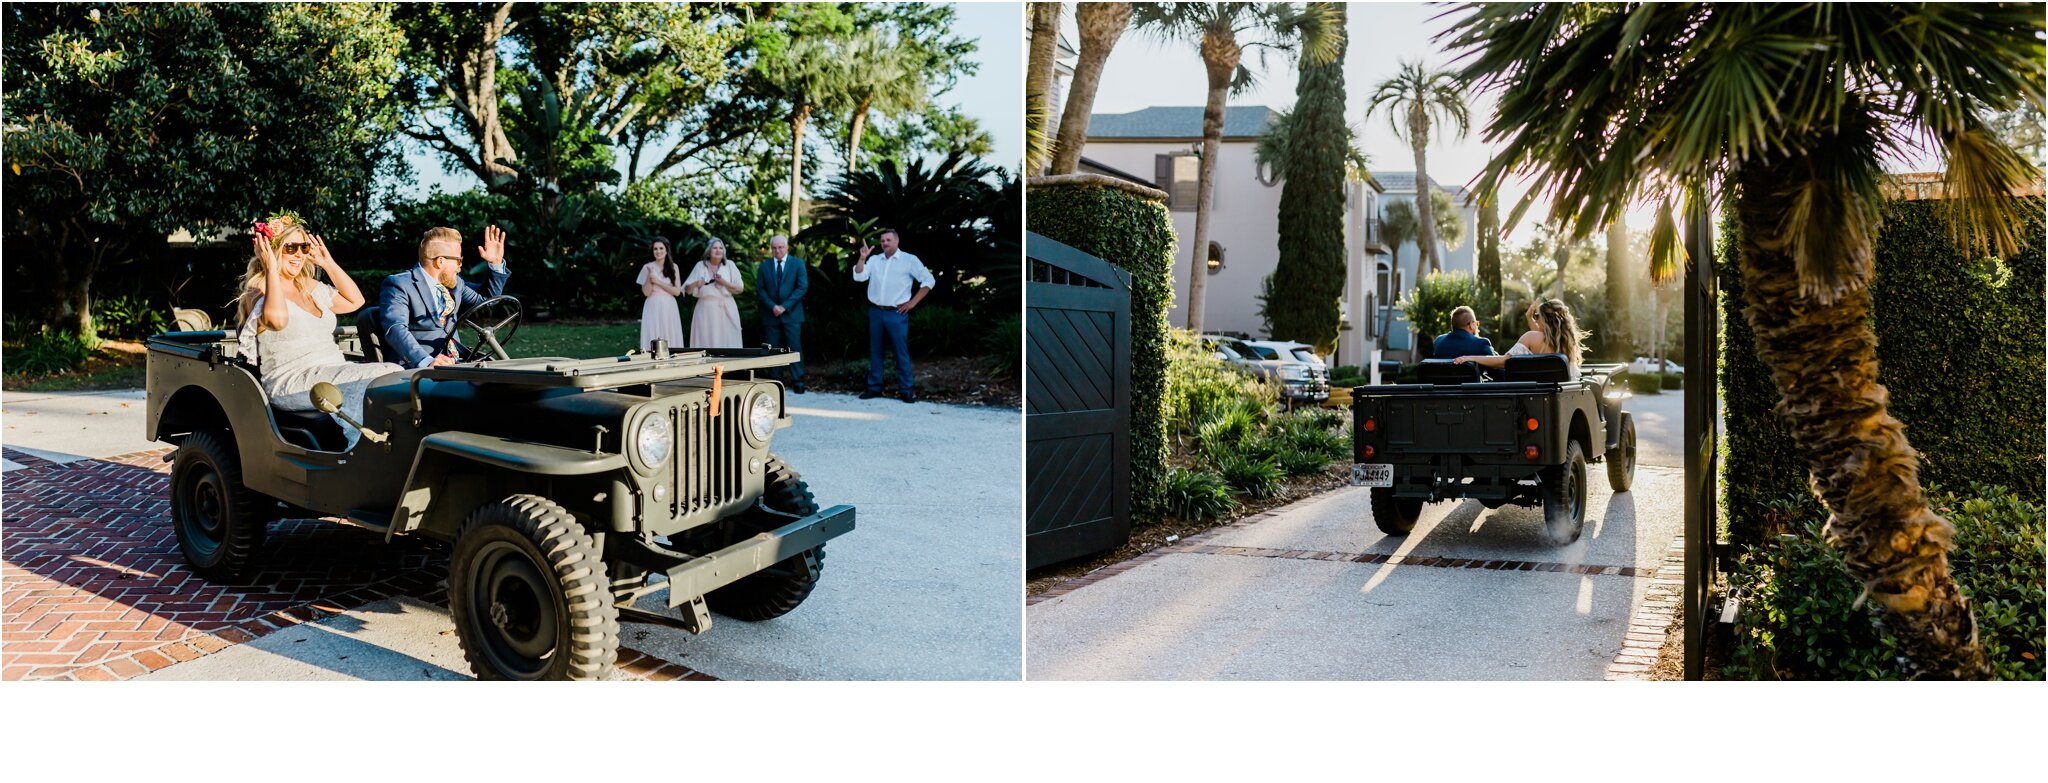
784,334
886,326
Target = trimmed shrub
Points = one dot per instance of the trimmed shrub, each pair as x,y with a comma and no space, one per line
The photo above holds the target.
1430,303
1800,617
1004,345
1135,235
1959,352
1673,381
1251,477
1196,495
1644,382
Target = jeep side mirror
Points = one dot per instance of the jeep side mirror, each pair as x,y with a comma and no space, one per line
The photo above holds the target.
327,399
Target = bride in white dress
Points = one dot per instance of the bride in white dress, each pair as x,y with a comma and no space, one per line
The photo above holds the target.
1552,329
290,336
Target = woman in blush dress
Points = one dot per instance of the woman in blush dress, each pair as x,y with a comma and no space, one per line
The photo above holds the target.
661,282
714,282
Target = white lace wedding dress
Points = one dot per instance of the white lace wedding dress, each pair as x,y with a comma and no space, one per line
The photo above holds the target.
304,353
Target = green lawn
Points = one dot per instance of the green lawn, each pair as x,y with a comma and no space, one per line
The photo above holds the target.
577,341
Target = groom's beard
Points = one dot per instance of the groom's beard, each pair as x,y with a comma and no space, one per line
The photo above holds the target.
450,280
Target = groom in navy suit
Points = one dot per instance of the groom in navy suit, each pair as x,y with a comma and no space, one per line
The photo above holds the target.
781,282
420,307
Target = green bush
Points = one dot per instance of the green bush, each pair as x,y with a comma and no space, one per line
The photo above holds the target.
1959,352
1800,618
51,352
1196,495
1225,431
1249,476
1430,304
1004,345
1136,235
1673,381
1644,382
129,316
945,331
1199,386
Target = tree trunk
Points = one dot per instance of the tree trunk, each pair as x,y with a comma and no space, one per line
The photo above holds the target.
1620,330
797,118
1100,24
1220,55
860,123
1425,208
1038,84
482,66
1823,357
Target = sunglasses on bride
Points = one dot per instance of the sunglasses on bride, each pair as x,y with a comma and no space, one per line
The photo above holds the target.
298,248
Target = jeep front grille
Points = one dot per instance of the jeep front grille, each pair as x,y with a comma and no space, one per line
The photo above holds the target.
709,455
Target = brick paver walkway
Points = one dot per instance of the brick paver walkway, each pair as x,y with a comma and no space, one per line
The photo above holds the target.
92,586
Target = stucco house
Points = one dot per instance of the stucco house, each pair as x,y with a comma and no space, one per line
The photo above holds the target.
1159,146
1464,258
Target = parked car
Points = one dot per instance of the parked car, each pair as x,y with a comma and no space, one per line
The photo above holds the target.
1299,381
561,483
1647,364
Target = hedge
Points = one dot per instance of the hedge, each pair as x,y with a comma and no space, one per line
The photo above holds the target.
1959,351
1136,235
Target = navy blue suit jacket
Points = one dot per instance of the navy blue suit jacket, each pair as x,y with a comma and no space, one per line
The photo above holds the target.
782,288
410,314
1458,342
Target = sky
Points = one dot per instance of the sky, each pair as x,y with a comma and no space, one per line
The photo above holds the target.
1143,71
994,95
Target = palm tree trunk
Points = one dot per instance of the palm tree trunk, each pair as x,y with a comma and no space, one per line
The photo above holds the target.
1425,209
1100,25
1220,54
1620,331
797,118
1038,84
1823,356
860,123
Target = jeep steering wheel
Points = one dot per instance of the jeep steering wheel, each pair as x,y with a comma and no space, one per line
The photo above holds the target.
495,320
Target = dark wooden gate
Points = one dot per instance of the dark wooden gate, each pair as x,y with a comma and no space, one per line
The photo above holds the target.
1077,396
1702,438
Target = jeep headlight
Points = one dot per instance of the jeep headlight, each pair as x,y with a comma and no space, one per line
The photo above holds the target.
652,441
761,415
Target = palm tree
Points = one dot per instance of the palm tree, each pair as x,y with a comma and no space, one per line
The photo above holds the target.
1038,83
1100,24
1619,337
1416,99
813,74
890,79
1398,226
1215,28
1793,107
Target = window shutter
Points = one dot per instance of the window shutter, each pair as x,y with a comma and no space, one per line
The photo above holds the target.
1162,177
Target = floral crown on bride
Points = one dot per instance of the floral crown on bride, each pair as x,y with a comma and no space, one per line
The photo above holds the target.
272,227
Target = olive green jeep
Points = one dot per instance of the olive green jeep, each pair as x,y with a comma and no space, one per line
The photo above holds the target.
563,484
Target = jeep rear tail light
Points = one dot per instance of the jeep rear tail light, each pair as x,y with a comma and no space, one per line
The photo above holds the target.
1372,425
1532,424
1365,452
1530,453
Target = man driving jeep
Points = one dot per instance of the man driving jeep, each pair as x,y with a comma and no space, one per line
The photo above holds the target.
420,308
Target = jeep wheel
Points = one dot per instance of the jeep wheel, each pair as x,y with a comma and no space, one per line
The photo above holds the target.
1564,497
1394,516
774,591
1621,460
530,595
218,521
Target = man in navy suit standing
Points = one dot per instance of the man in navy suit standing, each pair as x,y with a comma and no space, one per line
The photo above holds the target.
781,282
420,307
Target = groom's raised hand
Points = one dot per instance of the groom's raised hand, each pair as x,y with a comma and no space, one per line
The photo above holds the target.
493,248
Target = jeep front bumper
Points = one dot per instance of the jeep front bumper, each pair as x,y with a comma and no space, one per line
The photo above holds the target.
691,577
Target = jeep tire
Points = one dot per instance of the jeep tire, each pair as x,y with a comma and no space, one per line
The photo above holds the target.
530,595
773,592
219,523
1621,460
1394,516
1564,497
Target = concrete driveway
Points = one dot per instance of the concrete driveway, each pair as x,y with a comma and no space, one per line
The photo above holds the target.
926,587
1314,591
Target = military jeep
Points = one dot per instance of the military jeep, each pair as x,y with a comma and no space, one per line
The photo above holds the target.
561,483
1525,439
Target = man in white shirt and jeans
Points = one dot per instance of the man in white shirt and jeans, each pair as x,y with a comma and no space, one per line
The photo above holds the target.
891,280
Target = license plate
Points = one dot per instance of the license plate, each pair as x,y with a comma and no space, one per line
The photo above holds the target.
1372,475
